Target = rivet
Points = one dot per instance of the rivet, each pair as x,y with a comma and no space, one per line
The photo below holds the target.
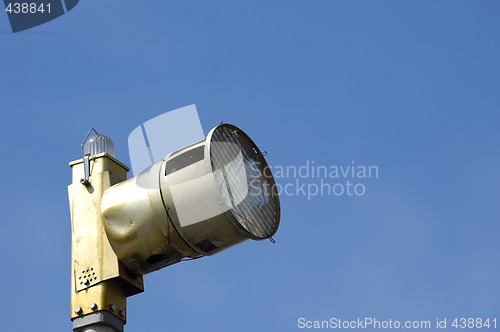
86,281
121,313
112,307
93,306
78,310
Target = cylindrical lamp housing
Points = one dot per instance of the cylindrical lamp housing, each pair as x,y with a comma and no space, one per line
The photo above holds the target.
196,202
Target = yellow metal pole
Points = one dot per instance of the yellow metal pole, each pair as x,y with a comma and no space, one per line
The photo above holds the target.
100,283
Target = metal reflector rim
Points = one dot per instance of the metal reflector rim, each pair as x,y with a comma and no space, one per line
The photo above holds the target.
243,138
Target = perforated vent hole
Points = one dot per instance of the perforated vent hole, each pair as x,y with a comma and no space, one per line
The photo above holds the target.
88,275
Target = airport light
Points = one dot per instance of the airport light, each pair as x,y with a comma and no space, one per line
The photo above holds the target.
195,202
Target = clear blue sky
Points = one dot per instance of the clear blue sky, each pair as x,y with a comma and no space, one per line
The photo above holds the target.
409,86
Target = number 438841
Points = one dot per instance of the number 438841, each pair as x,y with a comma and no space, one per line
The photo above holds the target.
474,323
27,8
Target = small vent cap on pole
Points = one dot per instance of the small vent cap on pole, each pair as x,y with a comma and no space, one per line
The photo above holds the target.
97,143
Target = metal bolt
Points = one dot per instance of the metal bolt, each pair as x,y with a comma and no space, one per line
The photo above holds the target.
78,310
112,307
121,313
86,281
93,306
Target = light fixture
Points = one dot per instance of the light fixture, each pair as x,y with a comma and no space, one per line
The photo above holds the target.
195,202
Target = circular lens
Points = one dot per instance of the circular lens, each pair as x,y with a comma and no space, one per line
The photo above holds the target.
245,182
